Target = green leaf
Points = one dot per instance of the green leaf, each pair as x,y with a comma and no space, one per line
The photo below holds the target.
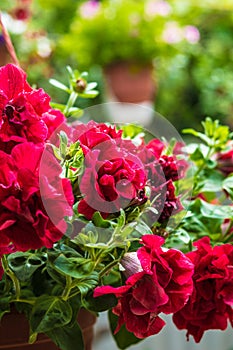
75,112
59,106
218,133
216,211
213,181
63,143
179,237
201,136
49,312
59,85
102,303
74,267
25,264
228,185
123,338
197,155
215,135
89,94
212,211
91,86
71,72
140,229
121,219
131,130
75,303
87,283
84,75
99,221
67,337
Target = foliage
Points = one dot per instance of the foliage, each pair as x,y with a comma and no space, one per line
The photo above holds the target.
119,195
200,79
194,81
111,31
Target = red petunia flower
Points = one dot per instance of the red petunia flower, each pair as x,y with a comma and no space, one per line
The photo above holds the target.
210,305
26,114
24,223
162,284
94,134
112,179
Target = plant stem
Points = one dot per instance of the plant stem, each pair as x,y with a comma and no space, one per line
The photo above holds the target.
68,287
109,267
12,276
71,101
8,42
23,301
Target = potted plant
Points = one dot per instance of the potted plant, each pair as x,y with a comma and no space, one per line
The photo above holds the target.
92,219
126,38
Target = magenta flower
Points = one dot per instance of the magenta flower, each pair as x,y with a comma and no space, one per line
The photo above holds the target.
112,179
24,221
26,115
210,305
163,283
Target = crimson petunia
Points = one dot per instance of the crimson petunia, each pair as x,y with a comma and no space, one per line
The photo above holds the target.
26,114
162,284
25,223
210,305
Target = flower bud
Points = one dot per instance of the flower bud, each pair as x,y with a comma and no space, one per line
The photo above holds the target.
80,85
131,264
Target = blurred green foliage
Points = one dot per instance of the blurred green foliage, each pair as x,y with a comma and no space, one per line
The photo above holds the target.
193,80
199,82
125,30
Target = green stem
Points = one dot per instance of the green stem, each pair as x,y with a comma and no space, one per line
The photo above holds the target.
68,287
109,267
26,301
12,276
70,102
74,294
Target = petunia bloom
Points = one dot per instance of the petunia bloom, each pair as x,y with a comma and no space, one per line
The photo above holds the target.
111,184
210,305
24,221
25,113
162,284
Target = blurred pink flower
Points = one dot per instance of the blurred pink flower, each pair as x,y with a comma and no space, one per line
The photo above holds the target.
191,34
159,7
89,9
172,33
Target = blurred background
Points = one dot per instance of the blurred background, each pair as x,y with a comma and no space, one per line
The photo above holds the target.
175,56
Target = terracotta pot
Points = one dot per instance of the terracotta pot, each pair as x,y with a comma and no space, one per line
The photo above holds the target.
131,82
14,332
86,321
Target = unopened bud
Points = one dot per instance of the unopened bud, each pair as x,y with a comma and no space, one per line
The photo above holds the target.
80,85
131,264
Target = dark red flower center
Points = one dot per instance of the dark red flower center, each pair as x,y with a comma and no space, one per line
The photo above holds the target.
9,111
